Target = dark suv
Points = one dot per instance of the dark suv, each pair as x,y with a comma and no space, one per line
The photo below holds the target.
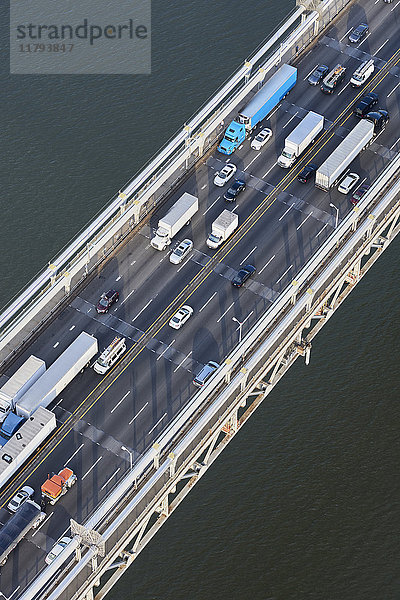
107,299
379,118
365,105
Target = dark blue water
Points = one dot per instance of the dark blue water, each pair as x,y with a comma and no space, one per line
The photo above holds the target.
304,502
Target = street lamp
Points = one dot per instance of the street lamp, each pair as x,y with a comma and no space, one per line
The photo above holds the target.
130,455
337,214
241,323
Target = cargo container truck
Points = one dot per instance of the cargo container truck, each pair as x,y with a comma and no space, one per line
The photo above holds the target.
58,375
19,383
58,485
28,516
177,216
264,101
222,228
25,441
330,171
300,138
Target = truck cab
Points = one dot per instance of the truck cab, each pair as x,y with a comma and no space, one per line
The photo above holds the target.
234,136
58,485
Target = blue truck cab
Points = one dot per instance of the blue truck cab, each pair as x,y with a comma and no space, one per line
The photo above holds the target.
262,103
10,425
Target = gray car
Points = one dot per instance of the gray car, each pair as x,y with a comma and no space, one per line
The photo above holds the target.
317,76
25,493
205,373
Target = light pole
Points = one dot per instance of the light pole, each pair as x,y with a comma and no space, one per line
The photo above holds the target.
241,323
337,214
130,455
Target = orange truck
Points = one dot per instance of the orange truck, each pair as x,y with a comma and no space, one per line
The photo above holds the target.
58,485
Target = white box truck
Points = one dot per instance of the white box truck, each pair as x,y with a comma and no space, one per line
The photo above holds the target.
19,383
177,216
222,228
301,137
359,138
110,355
74,359
25,441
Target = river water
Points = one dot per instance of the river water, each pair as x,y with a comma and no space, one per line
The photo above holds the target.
304,502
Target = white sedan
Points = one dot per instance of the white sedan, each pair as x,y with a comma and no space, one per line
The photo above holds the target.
348,183
225,174
25,493
180,317
261,139
181,252
57,549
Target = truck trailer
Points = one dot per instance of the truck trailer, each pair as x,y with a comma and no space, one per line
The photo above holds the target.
28,516
222,228
58,375
25,441
300,138
262,103
19,383
177,216
330,171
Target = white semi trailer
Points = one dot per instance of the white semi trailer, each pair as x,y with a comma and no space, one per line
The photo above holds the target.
300,138
19,383
74,359
330,171
177,216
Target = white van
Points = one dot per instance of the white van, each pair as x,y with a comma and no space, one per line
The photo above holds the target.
363,73
110,355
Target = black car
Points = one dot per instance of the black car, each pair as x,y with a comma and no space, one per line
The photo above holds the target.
307,173
237,186
358,194
365,104
106,301
317,76
243,275
358,33
379,118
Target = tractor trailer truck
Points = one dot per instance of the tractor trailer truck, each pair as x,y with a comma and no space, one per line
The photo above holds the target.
301,137
73,360
28,516
330,171
177,216
264,101
19,383
222,228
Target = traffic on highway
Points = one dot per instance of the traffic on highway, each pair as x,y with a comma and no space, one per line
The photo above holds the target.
120,361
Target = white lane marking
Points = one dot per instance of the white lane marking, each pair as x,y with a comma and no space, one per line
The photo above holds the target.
56,344
132,263
266,264
222,316
312,70
118,278
204,186
347,33
233,209
92,467
183,264
109,479
393,90
342,90
398,139
62,535
302,223
285,213
45,521
59,402
14,592
211,205
265,174
181,363
272,114
395,6
158,422
364,40
290,119
164,351
89,309
144,308
251,252
251,162
376,1
321,230
71,328
280,278
137,414
209,300
122,399
130,294
71,457
375,53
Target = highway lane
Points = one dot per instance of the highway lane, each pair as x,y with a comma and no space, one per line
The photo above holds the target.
281,236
